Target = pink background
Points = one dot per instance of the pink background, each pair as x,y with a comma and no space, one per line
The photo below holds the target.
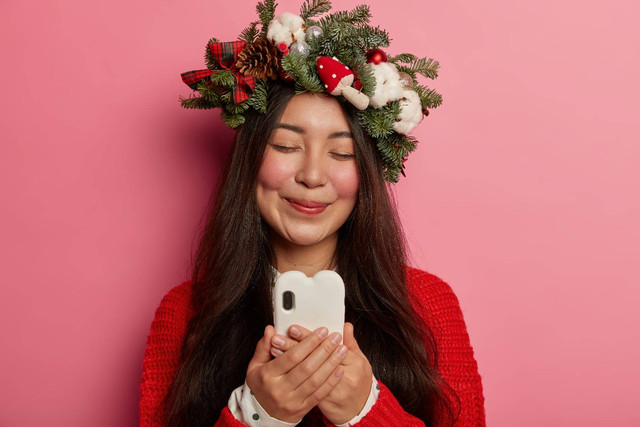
523,195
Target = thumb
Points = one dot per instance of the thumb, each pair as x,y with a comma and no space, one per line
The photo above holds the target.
262,354
349,340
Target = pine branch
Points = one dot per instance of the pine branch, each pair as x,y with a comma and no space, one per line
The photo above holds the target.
403,57
338,32
310,23
312,8
302,71
369,37
249,34
405,144
224,78
208,57
392,174
232,120
326,45
266,11
198,103
360,15
365,75
226,97
391,158
235,109
426,66
428,97
409,143
378,122
209,92
258,101
299,88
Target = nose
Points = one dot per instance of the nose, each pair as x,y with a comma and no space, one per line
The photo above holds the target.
312,170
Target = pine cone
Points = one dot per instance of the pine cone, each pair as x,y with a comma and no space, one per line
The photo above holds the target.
259,59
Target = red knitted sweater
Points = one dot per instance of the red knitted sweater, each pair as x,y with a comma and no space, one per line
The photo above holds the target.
434,301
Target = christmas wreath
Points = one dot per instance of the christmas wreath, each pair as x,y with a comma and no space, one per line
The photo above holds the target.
339,53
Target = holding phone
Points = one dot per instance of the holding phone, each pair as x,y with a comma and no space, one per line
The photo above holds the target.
311,302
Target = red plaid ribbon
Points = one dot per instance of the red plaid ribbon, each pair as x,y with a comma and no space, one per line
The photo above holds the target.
225,55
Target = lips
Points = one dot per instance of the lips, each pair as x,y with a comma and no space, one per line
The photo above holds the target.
307,206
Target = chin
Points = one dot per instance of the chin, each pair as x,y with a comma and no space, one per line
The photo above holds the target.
305,236
305,240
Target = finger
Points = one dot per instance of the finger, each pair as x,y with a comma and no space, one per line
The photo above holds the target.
281,344
328,386
349,339
298,332
298,353
314,361
262,354
320,384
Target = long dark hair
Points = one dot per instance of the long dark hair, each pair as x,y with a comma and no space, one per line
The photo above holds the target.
232,286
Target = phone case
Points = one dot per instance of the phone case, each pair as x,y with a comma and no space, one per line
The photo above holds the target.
318,301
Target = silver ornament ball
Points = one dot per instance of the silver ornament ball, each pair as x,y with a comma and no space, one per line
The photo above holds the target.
300,48
313,32
405,80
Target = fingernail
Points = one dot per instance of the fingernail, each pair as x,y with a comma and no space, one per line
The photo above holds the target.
276,352
278,341
335,338
342,350
322,332
294,332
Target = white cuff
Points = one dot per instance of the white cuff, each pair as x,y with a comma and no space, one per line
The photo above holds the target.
373,397
246,409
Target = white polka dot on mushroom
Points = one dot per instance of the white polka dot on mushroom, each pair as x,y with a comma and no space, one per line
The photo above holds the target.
321,66
333,75
326,86
346,68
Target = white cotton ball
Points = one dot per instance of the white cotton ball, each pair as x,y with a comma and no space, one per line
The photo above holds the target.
290,20
388,84
299,35
286,28
410,112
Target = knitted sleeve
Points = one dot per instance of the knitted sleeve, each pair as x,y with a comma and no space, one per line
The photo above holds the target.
162,358
387,411
438,306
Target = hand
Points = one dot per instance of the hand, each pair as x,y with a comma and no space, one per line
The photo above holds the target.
349,396
290,386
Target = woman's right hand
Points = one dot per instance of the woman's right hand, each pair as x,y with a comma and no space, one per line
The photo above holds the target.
292,384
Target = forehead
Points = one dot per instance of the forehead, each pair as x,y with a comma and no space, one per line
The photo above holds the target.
315,113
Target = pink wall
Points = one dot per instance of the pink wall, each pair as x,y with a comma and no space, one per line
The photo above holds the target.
524,195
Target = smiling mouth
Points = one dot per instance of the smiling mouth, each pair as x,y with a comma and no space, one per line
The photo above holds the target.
307,207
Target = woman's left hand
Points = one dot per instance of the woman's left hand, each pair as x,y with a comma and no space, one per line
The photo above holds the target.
348,398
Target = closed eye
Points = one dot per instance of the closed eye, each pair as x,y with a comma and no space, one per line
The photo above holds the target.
284,148
343,156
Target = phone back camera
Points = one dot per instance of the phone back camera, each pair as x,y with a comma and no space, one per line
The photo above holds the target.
288,300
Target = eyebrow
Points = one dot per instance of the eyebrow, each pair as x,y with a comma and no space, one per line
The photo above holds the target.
301,131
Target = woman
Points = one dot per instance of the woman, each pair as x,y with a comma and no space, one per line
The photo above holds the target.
304,189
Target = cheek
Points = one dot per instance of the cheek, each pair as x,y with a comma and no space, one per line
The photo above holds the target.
346,182
273,173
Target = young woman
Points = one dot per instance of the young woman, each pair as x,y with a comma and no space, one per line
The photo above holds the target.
304,189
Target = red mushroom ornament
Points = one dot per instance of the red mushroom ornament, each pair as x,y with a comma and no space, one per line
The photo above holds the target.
337,79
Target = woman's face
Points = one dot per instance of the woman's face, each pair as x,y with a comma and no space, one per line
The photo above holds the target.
308,182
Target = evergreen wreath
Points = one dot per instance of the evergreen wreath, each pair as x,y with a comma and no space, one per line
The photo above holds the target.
339,53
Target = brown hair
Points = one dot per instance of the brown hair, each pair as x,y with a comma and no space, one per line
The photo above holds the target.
232,286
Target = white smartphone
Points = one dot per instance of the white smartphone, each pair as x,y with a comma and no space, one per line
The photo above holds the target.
311,302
